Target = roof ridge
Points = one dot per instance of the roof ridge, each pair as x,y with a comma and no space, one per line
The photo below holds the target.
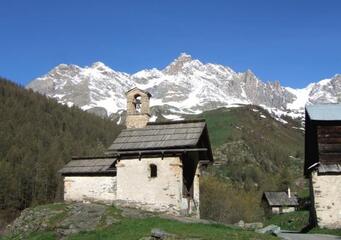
89,157
275,191
177,121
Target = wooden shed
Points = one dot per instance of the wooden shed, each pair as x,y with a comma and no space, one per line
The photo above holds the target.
323,163
279,202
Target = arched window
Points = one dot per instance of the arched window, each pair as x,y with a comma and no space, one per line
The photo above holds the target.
137,103
153,170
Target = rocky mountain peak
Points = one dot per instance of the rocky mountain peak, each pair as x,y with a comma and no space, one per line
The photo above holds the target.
180,63
184,57
186,85
65,67
98,65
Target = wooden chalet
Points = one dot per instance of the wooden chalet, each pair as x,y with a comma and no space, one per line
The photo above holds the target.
323,163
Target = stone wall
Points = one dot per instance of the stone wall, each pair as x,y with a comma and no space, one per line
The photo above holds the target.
137,120
288,209
144,101
191,207
90,189
134,118
275,210
136,188
327,200
196,193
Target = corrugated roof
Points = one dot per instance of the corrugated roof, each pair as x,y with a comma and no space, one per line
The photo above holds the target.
280,199
95,165
160,136
329,168
324,112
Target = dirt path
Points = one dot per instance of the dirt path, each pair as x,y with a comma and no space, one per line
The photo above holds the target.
303,236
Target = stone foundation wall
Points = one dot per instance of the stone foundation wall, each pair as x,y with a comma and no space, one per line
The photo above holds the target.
90,189
327,200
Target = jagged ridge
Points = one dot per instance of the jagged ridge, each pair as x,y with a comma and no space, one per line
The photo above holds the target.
186,85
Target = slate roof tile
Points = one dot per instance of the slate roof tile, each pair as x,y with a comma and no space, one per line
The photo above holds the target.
162,135
96,165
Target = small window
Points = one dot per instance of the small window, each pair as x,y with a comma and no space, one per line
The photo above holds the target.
153,170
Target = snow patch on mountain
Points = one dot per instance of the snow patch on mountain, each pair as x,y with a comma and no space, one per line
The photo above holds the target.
185,86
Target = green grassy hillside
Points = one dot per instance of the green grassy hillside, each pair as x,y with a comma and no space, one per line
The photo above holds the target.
252,147
95,221
253,153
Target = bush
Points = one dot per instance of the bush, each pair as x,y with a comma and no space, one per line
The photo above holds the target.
228,203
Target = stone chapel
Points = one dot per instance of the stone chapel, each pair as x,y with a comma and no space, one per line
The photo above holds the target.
154,166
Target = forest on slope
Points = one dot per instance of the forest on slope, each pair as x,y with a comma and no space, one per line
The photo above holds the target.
37,136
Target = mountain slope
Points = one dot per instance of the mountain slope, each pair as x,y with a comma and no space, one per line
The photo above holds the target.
254,149
186,85
37,137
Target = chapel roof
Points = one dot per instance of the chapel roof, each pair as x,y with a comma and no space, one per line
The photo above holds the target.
89,165
184,134
280,199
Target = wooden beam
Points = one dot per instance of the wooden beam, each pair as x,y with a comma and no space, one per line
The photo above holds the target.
205,162
161,151
330,148
332,140
330,158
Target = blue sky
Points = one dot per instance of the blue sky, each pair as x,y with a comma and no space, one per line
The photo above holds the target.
293,41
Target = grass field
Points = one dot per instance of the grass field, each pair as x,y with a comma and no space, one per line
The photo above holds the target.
290,221
128,227
297,221
136,229
336,232
131,229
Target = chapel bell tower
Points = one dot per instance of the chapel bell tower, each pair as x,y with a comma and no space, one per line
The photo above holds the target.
138,112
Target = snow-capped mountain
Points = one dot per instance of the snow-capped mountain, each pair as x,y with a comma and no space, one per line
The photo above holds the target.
186,85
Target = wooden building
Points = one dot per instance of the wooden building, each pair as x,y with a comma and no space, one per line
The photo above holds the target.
323,163
279,202
152,166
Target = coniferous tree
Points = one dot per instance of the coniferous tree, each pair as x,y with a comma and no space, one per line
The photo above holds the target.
37,137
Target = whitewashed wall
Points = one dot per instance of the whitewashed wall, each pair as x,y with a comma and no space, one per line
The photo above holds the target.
136,188
196,192
275,210
327,199
90,189
288,209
